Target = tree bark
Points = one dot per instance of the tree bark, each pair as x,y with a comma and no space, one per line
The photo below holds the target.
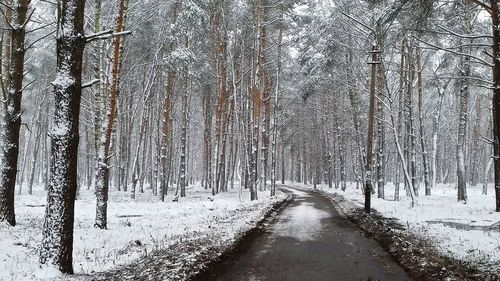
371,120
166,140
57,242
13,92
183,165
462,130
495,24
380,134
420,88
102,169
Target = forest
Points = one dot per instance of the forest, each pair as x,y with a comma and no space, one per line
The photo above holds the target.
130,128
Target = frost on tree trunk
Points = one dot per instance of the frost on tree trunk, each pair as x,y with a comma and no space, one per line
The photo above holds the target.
274,153
221,54
371,120
475,145
462,127
410,122
380,134
57,242
36,149
435,130
254,143
183,166
495,20
421,122
207,138
12,94
102,169
462,130
166,139
167,108
266,91
400,121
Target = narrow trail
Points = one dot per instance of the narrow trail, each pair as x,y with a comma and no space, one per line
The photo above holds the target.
307,241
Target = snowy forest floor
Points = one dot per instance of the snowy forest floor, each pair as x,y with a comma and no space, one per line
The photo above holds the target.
136,229
463,234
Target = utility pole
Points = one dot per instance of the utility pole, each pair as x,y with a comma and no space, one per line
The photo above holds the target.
371,118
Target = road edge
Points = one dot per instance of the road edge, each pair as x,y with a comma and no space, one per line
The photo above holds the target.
420,259
218,263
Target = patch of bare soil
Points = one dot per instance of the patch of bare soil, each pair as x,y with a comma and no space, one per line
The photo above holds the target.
185,260
416,255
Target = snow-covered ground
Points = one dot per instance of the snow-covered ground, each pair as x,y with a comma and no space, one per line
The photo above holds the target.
455,229
135,228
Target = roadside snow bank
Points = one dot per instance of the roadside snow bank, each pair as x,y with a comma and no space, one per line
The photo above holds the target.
135,228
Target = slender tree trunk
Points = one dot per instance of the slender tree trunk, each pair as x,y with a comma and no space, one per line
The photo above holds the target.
435,132
274,152
207,139
36,148
474,163
495,17
486,176
380,134
255,143
402,79
403,161
462,130
184,125
410,124
99,100
283,174
371,120
420,86
146,97
20,177
166,139
166,144
102,169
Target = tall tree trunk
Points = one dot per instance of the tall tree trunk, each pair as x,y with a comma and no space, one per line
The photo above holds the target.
166,139
99,100
400,121
13,92
207,137
274,152
166,143
462,130
36,148
410,123
264,85
435,133
371,120
254,143
184,125
147,94
495,21
474,162
420,86
283,174
57,242
380,134
102,169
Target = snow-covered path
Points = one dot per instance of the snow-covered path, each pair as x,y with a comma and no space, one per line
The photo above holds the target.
309,240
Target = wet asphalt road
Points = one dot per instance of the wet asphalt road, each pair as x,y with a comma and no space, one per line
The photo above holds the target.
310,241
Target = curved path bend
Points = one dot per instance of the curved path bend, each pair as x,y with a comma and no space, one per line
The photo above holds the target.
310,241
